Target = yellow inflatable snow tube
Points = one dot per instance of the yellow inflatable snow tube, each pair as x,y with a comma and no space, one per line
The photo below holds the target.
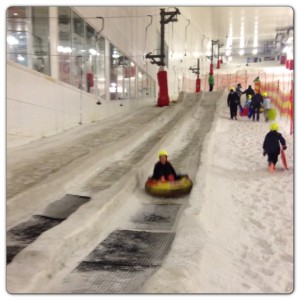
176,188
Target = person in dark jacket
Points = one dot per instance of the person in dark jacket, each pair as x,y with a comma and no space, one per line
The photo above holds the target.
249,91
238,89
271,145
239,92
163,169
233,102
256,104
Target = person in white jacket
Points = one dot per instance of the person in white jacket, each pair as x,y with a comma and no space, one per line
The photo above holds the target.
266,105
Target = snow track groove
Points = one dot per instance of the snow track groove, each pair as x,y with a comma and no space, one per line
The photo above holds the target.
191,127
68,166
31,172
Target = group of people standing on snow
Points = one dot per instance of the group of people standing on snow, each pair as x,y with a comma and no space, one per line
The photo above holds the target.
254,102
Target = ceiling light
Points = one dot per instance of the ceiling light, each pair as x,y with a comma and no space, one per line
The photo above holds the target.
196,54
68,50
20,58
60,48
11,40
92,51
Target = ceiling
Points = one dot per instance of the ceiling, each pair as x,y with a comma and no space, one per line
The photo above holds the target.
245,28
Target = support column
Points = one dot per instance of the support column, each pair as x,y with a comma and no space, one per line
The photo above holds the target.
107,69
198,85
219,60
136,72
163,96
211,67
198,81
29,46
165,18
53,33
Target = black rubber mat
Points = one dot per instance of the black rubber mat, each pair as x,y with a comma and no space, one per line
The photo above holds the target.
132,248
12,251
120,264
156,217
63,208
123,280
25,233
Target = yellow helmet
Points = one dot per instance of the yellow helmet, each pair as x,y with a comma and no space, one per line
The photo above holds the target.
231,88
249,96
274,126
264,94
162,153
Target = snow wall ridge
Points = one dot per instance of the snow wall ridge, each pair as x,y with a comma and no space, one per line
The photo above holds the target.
44,259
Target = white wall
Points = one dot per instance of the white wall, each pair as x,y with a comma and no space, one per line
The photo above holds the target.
125,27
38,105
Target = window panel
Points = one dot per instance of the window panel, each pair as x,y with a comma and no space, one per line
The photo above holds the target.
90,57
78,71
64,48
80,50
100,67
18,40
40,44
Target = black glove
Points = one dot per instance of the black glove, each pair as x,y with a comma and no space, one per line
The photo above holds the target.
284,147
264,153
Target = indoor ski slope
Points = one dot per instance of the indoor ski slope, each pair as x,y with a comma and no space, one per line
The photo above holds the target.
108,165
104,234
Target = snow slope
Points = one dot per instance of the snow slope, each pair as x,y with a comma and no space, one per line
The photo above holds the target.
134,155
235,234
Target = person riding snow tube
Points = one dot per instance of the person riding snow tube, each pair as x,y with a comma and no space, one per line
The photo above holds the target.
163,168
165,181
174,188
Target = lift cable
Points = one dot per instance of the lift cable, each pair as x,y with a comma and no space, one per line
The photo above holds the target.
146,32
185,43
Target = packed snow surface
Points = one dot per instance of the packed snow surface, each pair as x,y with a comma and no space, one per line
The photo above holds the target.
234,233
